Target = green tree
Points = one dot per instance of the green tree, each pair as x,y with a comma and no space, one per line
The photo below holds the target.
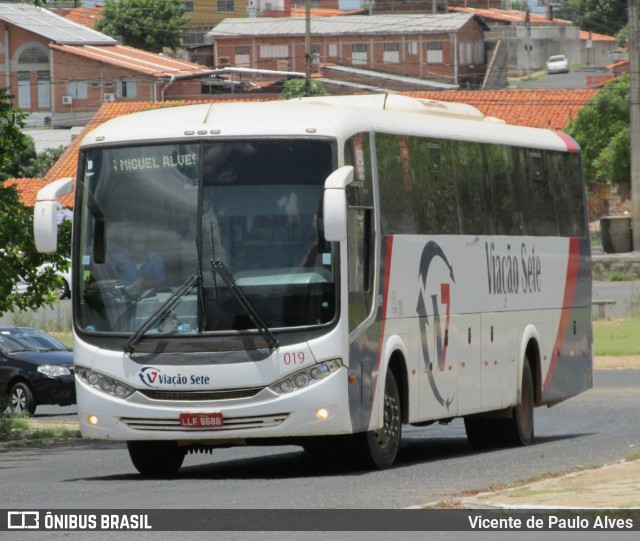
24,163
602,16
601,127
46,159
295,88
151,25
19,259
29,164
12,142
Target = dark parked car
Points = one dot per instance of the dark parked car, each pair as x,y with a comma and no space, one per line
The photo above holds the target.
35,369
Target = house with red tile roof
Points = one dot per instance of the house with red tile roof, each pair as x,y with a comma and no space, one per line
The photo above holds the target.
541,108
86,16
27,188
61,72
538,108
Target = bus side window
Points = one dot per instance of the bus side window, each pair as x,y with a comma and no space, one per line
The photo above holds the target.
360,230
470,176
541,208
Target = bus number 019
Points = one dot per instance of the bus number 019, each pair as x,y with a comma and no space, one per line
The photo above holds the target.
294,358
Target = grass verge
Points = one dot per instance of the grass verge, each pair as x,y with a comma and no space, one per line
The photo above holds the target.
18,428
617,337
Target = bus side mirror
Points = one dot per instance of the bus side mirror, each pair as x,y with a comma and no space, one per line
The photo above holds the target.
45,219
335,204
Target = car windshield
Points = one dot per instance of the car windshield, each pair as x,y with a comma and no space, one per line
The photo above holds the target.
557,59
153,216
15,340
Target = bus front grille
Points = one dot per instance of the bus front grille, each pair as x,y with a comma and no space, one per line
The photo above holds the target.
193,396
230,423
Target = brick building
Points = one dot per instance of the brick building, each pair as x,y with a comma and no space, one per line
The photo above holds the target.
445,48
61,72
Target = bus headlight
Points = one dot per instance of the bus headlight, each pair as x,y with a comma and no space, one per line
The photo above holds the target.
307,377
104,383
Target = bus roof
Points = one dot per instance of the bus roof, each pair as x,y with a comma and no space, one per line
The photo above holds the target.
339,117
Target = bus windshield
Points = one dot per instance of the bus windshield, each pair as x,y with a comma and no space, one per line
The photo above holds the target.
153,216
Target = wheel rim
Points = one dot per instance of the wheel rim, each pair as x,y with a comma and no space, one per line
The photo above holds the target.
390,429
18,400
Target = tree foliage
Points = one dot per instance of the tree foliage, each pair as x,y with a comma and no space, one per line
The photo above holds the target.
151,25
19,259
602,130
12,142
295,88
602,16
29,164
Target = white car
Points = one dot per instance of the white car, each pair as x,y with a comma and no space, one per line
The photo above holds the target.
64,288
558,64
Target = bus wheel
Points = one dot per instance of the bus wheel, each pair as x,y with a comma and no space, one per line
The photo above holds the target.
380,446
156,458
519,429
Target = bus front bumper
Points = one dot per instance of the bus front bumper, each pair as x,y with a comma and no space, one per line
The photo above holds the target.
321,409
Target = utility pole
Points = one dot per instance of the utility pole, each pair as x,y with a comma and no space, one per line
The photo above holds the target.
634,118
307,49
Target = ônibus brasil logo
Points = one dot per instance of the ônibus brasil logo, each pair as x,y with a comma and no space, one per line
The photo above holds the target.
431,252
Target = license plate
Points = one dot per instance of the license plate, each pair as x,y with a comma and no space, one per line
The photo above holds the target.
201,420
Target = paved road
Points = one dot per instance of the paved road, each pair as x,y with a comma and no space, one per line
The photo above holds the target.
576,78
435,463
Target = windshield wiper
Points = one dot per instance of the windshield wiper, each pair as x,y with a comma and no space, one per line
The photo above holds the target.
255,317
161,312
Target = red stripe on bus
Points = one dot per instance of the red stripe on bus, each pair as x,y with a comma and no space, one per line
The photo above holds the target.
572,145
569,295
385,296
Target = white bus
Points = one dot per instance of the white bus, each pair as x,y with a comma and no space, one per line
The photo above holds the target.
322,272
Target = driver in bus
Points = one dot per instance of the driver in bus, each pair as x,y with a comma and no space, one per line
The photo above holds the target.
139,268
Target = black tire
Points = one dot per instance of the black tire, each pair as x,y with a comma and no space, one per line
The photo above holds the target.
519,429
379,448
156,458
21,399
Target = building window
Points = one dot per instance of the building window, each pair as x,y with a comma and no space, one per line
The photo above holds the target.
78,90
359,53
391,53
333,50
126,89
188,7
44,90
478,52
33,55
24,89
434,52
226,5
242,56
274,51
412,48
